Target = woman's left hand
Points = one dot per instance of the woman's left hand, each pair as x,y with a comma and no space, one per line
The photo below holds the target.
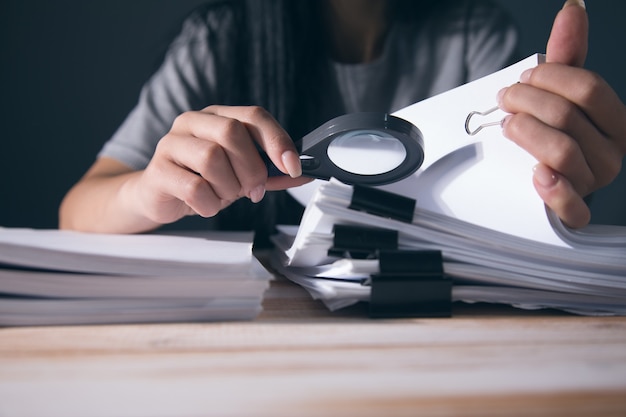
569,119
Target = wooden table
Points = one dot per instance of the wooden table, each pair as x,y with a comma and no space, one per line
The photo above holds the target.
299,359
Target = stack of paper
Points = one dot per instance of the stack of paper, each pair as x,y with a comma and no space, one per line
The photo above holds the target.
476,203
52,277
486,266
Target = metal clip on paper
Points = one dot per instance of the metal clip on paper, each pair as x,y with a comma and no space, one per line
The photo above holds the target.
364,242
382,203
471,115
360,242
410,284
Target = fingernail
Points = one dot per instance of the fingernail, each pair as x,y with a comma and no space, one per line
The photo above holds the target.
580,3
500,95
257,194
525,76
545,176
291,160
505,120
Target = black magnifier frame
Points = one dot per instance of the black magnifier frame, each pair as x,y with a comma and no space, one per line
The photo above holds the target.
316,162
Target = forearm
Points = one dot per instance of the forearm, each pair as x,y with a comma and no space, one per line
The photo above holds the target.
104,204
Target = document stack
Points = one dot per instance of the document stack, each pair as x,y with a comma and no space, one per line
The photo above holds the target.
53,277
471,205
479,264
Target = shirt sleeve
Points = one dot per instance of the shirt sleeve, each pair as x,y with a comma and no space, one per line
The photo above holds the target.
185,81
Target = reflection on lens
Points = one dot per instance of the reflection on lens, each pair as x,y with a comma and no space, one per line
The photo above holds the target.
366,152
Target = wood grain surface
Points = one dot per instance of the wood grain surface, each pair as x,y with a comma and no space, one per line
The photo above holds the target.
298,359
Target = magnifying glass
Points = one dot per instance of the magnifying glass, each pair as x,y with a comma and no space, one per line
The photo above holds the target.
360,148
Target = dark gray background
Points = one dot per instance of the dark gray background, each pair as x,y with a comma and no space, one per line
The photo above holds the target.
71,70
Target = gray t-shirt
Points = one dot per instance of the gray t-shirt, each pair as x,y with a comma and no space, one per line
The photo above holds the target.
452,47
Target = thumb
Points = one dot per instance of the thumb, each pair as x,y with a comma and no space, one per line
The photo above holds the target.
568,39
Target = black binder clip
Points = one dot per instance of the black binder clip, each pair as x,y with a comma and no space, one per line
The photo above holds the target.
382,203
358,242
410,284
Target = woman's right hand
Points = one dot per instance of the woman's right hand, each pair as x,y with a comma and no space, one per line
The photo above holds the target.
208,159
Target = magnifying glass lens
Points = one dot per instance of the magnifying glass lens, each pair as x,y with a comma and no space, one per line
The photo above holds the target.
366,152
368,149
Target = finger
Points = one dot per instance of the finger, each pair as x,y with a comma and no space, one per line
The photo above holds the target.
190,189
268,133
559,195
206,158
551,147
568,40
556,132
592,94
197,194
236,141
282,183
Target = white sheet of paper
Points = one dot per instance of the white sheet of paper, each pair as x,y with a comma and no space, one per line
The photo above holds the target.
147,254
147,246
484,179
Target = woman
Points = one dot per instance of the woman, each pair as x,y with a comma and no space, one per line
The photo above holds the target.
261,70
